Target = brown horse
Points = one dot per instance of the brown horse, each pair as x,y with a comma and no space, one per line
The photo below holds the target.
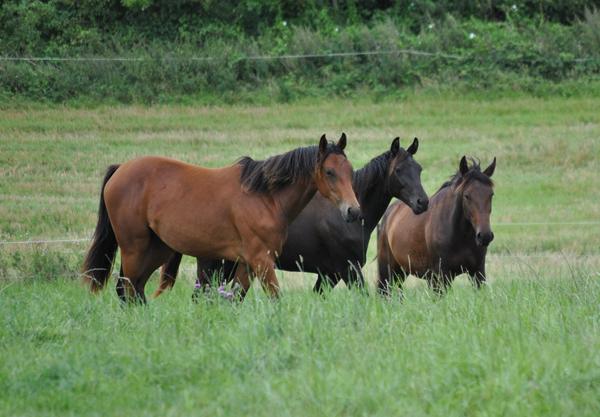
319,240
152,208
447,240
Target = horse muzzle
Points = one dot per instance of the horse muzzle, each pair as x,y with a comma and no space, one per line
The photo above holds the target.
350,213
484,239
420,205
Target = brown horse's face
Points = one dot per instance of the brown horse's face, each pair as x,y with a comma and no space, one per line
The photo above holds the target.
334,180
404,177
477,207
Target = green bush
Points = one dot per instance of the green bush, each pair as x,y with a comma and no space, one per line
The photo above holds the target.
492,45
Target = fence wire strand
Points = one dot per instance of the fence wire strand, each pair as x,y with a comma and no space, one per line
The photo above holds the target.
316,55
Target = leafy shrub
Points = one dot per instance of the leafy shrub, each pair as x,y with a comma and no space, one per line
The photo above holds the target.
475,44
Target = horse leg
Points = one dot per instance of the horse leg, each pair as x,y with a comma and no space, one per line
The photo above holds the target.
393,277
478,277
137,263
206,273
242,278
439,283
121,285
168,274
355,277
325,280
386,272
263,268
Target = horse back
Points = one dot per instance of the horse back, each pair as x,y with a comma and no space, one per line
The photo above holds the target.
175,200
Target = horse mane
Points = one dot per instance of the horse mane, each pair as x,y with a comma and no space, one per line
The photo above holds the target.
279,171
372,173
473,174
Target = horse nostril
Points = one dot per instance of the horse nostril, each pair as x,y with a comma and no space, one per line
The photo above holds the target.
478,235
353,213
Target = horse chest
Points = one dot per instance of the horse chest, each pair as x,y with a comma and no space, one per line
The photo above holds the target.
457,259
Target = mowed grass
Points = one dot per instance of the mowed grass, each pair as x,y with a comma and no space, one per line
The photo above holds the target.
529,344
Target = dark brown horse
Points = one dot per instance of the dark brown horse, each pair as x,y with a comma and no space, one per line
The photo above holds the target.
320,241
449,239
152,208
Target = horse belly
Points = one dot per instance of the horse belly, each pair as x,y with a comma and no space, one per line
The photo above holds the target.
415,263
199,237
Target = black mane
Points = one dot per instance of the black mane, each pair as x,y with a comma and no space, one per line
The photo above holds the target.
473,174
279,171
371,174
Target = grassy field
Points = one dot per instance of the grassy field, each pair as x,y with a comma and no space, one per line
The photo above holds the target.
527,345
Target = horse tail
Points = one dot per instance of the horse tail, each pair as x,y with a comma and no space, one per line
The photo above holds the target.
99,259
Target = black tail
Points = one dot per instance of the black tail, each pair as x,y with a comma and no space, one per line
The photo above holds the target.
99,260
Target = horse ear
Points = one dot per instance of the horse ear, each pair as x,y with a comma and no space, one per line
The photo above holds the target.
342,142
395,146
323,144
464,167
412,149
489,171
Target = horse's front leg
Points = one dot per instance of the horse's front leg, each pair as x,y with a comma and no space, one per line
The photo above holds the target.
241,280
355,277
439,282
478,276
324,280
263,268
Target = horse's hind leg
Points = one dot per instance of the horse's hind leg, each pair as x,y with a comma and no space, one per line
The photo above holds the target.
137,265
168,274
392,277
385,275
207,271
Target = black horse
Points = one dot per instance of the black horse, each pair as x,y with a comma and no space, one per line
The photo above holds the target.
320,240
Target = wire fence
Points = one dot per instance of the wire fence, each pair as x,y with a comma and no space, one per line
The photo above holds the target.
500,224
315,55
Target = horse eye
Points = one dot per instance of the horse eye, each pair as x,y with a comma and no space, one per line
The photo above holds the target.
467,196
330,173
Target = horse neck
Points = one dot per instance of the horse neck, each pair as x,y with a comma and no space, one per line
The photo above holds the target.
293,198
374,199
373,204
452,215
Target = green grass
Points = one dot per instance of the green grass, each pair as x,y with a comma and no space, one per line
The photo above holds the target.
521,347
527,345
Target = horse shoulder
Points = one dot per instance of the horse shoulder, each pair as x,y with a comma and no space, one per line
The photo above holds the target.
258,217
407,239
